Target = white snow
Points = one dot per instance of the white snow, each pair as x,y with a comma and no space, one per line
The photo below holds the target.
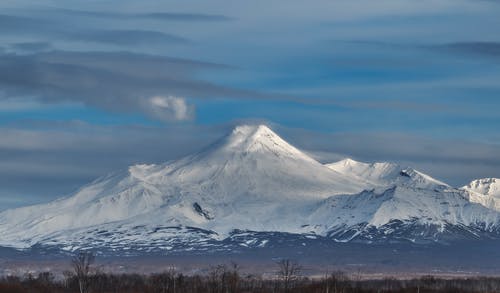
386,174
485,191
249,180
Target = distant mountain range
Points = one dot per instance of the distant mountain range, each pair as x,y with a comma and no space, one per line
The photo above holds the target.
247,189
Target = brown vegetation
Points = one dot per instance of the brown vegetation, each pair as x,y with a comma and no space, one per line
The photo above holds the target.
228,279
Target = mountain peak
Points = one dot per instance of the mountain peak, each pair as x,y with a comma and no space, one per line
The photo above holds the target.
351,163
485,186
384,173
260,138
247,130
485,191
347,162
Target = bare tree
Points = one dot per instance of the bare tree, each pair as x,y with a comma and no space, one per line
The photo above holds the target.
81,263
233,278
216,278
289,272
165,282
224,279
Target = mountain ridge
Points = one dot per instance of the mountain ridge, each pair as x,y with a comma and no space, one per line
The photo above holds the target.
485,191
251,181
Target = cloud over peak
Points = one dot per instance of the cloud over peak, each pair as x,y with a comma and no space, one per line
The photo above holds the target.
169,108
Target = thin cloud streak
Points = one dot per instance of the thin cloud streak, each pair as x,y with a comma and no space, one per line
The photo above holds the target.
162,16
478,48
12,25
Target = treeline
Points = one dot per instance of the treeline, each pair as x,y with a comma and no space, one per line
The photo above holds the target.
229,282
228,279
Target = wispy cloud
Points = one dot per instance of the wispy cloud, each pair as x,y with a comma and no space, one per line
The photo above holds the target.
30,46
162,16
123,82
479,48
53,29
125,37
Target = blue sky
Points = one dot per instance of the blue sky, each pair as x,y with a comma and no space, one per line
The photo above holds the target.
87,87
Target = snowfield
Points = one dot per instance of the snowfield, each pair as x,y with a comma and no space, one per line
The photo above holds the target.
485,191
247,183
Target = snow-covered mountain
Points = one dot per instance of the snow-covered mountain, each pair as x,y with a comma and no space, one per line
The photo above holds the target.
249,183
387,174
428,208
485,191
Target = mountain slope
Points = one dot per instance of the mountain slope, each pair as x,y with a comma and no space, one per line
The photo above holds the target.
387,174
485,191
249,181
405,213
241,181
